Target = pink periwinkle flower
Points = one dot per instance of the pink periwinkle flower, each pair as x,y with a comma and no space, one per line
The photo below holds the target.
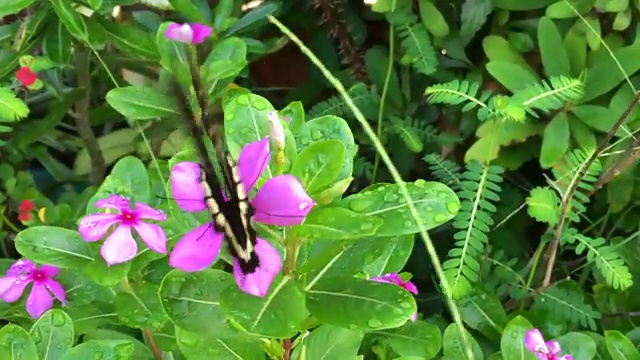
24,272
550,350
194,33
394,278
120,246
281,201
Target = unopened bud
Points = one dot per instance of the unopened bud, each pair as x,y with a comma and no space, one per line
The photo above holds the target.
276,130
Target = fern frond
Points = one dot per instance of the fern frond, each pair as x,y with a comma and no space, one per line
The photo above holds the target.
566,173
457,92
12,108
362,167
446,171
607,260
500,275
565,301
415,40
479,189
550,95
363,97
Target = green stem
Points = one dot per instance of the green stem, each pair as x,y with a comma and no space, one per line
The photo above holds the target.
534,267
437,265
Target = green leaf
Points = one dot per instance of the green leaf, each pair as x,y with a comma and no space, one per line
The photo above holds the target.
108,349
253,16
555,140
360,304
140,350
435,203
141,308
344,343
55,246
554,57
395,255
376,61
453,345
57,43
512,342
197,346
608,73
498,49
334,223
318,165
95,4
580,346
16,344
597,117
544,205
278,314
14,6
222,14
582,135
73,21
128,178
433,19
227,60
114,146
512,76
173,55
141,103
246,119
294,114
107,275
191,11
326,128
483,312
521,5
473,15
565,9
53,334
131,40
11,107
619,346
192,301
420,339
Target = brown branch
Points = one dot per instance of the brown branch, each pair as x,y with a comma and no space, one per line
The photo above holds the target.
626,159
148,337
83,124
552,251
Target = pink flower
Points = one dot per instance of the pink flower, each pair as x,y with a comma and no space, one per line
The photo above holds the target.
120,246
549,350
394,278
194,33
281,201
24,272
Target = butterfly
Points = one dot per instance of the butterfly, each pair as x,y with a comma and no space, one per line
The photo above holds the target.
232,214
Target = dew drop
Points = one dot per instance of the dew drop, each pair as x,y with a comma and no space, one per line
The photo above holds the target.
374,323
440,218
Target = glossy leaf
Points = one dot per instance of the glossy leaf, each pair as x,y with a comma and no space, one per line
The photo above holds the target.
14,6
344,343
142,103
128,178
453,346
16,344
55,246
53,334
107,349
555,140
580,346
435,203
319,164
619,346
483,312
512,342
57,43
334,223
420,339
140,308
359,304
197,346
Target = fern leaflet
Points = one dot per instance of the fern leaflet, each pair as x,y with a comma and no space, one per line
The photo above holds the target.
566,302
550,95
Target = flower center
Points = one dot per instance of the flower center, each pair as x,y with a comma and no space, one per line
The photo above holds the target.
38,275
128,217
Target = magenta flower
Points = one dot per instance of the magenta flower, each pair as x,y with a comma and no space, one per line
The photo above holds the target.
24,272
120,246
394,278
194,33
281,201
549,350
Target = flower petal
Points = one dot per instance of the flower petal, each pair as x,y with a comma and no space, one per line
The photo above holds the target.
12,287
39,300
414,317
566,357
197,249
553,347
57,290
410,287
186,187
200,32
258,282
119,247
182,33
50,271
390,278
20,267
253,160
534,341
95,226
114,201
145,211
153,236
282,201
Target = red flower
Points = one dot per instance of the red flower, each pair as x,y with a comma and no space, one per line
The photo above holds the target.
26,205
26,76
25,208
